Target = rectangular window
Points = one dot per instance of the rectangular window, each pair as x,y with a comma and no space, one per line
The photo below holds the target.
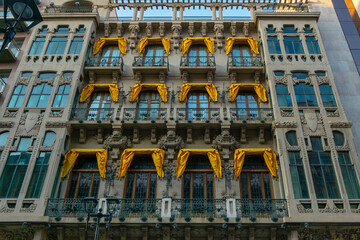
61,96
17,96
322,171
62,30
298,176
47,76
40,95
293,45
349,175
14,171
283,96
327,96
289,29
305,95
37,46
312,45
3,80
273,45
38,175
76,45
56,45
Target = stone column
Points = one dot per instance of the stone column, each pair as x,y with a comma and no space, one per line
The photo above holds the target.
135,13
142,10
181,13
213,9
220,13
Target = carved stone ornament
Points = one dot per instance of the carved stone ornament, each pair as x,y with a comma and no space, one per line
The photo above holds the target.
23,81
219,34
30,209
171,140
191,29
340,124
65,80
134,30
32,118
288,124
233,29
333,114
162,29
149,29
322,80
306,80
286,113
225,143
203,29
56,124
314,234
8,114
246,29
116,140
301,209
176,35
107,30
185,76
311,120
281,80
6,209
6,124
39,81
56,114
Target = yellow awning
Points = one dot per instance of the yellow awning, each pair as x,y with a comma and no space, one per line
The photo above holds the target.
144,41
186,43
210,88
128,155
101,41
72,155
212,154
251,41
137,89
88,89
269,157
259,89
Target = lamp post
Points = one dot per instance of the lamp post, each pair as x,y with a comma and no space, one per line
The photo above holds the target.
91,202
22,10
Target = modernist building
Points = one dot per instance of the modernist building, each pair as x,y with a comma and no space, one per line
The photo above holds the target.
181,127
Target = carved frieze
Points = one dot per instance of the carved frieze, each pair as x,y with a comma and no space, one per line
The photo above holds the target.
306,80
30,209
219,34
287,124
58,113
225,143
340,124
281,80
65,80
301,209
322,80
6,124
176,35
285,113
56,124
149,29
23,81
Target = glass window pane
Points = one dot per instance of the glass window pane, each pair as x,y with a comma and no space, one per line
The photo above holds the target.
49,138
3,138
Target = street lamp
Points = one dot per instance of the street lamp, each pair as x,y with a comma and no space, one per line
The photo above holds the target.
22,10
91,203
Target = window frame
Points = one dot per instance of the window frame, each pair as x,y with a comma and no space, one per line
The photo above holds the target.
283,96
61,103
22,93
290,43
326,96
273,45
304,94
39,103
37,46
57,47
76,46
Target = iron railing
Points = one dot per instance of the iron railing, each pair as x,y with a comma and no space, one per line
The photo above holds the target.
261,208
197,61
198,114
92,114
69,9
68,207
237,61
285,8
244,114
199,208
157,61
142,114
105,62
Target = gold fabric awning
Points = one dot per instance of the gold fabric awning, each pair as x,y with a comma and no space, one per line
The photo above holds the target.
251,41
259,89
210,88
72,155
101,41
212,154
144,41
137,89
186,43
128,155
269,157
88,89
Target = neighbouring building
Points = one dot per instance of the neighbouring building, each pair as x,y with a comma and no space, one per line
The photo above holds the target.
182,127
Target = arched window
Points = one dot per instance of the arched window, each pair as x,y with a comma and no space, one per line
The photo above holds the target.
84,179
49,138
339,138
291,138
198,106
3,138
148,106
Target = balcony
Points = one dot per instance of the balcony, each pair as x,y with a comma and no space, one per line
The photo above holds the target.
92,114
10,53
151,65
251,114
68,9
104,65
197,64
178,210
198,114
145,114
244,64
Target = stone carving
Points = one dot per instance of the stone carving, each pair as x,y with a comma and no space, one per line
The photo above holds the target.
312,234
285,113
348,234
162,29
65,80
107,30
281,80
333,114
32,119
203,29
171,143
8,114
23,81
56,114
185,76
288,124
225,143
219,34
6,209
149,29
56,124
311,120
162,76
137,76
246,29
30,209
210,76
301,209
6,124
6,235
340,124
134,30
322,80
191,29
119,29
306,80
115,142
176,35
233,29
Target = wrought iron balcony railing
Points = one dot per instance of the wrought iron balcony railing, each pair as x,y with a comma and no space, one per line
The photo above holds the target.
92,114
198,114
105,62
244,114
158,61
69,9
261,208
142,114
237,61
197,61
143,208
